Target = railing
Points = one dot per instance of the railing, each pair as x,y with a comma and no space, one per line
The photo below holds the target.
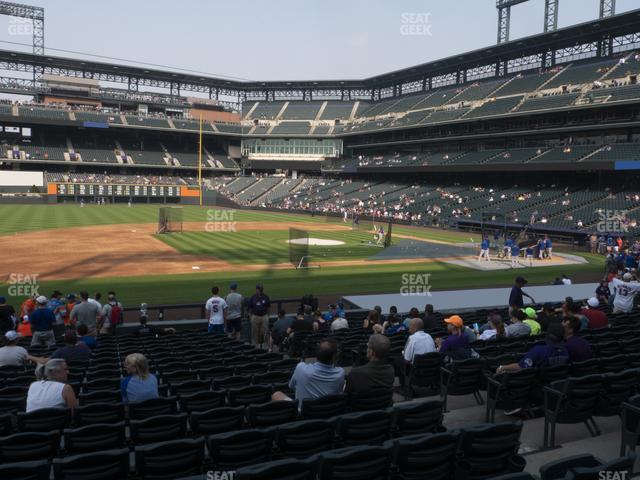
181,311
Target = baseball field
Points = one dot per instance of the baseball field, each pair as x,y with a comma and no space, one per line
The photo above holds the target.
114,247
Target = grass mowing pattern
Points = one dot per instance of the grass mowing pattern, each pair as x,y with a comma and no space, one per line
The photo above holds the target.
268,247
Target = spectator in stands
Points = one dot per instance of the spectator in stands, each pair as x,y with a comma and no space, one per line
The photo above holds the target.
42,321
517,327
431,319
279,329
603,293
14,355
49,389
234,311
373,318
140,384
73,351
377,373
413,313
216,309
28,306
319,323
393,312
339,323
531,320
145,329
393,325
87,313
547,316
577,347
456,345
496,328
84,337
596,318
553,352
625,293
259,305
515,299
112,314
7,317
302,323
566,280
419,341
319,379
56,304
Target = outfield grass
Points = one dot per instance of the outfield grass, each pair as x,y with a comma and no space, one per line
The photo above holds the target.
195,287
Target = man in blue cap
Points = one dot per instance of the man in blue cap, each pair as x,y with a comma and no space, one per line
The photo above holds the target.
234,311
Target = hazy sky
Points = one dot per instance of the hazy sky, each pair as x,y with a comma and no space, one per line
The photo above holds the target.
286,39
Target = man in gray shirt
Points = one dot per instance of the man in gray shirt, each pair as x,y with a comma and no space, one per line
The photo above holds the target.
234,311
86,313
517,328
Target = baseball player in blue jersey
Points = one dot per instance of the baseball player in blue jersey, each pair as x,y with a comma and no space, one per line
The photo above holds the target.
484,249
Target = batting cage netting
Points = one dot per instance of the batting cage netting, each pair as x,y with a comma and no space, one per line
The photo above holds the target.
170,220
298,247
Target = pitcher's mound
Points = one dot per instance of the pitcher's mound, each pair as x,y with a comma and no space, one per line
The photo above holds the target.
315,242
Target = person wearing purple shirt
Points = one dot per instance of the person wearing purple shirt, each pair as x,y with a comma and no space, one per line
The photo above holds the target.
456,345
577,347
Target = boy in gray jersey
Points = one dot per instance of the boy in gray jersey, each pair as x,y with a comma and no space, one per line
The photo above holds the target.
234,311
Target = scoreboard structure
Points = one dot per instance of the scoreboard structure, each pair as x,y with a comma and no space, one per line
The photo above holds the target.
118,193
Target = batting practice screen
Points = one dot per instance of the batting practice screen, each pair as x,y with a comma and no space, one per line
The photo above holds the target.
170,220
298,245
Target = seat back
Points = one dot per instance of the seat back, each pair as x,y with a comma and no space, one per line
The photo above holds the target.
410,418
170,460
217,420
375,399
44,420
425,456
271,413
201,401
354,463
36,470
616,388
100,396
93,438
98,413
363,428
158,429
581,397
489,449
102,465
304,438
232,450
324,407
29,446
153,407
287,469
248,395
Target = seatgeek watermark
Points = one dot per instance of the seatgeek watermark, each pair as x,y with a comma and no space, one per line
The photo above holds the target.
23,284
612,221
415,284
221,475
220,221
20,26
415,24
611,475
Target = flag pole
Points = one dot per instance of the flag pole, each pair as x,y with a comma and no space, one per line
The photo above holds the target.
200,161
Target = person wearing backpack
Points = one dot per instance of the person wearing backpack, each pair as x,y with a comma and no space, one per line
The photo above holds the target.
112,314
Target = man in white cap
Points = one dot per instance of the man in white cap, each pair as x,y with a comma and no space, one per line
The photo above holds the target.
597,318
13,355
42,320
625,291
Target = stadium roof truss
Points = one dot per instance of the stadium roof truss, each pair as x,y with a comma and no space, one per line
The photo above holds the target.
602,37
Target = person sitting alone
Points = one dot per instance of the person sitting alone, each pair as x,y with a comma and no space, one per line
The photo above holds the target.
140,384
50,390
319,379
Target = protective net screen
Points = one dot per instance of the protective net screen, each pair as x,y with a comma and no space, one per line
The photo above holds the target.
170,219
298,245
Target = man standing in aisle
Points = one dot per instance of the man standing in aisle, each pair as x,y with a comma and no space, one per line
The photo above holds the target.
234,311
216,309
259,305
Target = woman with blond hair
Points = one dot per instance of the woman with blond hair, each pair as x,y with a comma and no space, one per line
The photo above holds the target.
139,385
50,389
